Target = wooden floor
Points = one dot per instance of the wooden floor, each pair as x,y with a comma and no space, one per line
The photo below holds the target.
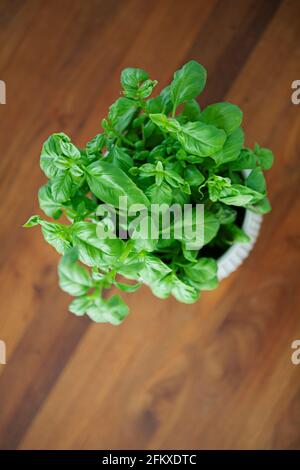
217,374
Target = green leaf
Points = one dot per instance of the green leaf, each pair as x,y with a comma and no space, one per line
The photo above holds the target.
245,161
193,176
132,265
69,150
232,147
47,203
95,146
231,233
161,194
209,225
62,186
155,105
162,288
127,287
73,278
192,111
187,83
203,270
189,255
256,180
226,116
119,158
109,183
165,123
121,113
265,157
55,234
89,234
154,269
183,292
141,236
32,221
225,214
209,284
51,151
166,99
136,83
261,207
80,305
199,139
132,78
216,184
238,195
113,310
195,137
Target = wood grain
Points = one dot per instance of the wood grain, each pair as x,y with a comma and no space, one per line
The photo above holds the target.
217,374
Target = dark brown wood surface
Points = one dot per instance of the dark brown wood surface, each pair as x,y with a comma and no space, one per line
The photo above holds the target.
217,374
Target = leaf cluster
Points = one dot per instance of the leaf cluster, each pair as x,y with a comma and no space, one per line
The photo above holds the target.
152,150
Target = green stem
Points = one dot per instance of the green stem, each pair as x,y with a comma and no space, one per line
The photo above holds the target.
124,139
143,133
174,110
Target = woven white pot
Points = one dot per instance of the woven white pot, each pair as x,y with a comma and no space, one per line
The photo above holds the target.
238,252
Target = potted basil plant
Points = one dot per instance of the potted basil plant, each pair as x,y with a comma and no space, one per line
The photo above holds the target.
152,151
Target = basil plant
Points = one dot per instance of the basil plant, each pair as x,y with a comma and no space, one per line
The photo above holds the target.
152,152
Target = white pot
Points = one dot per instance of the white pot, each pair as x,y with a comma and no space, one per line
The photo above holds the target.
238,252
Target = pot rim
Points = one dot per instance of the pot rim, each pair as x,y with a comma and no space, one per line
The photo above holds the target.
237,253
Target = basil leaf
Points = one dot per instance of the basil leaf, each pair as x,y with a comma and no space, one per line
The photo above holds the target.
127,287
226,116
161,194
200,139
50,151
231,233
193,176
261,207
119,158
121,113
232,147
203,270
155,105
154,269
109,183
131,78
238,195
136,83
95,146
73,278
132,266
113,310
165,94
165,123
195,137
187,83
87,232
209,225
265,157
62,186
162,288
192,111
184,292
209,284
225,214
245,161
47,203
80,305
256,180
55,234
